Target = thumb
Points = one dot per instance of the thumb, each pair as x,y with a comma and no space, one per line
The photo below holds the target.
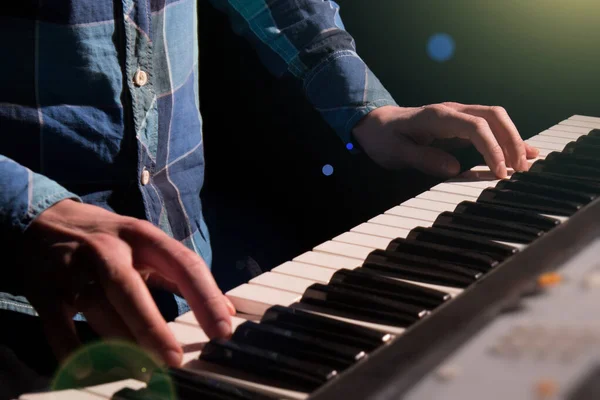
432,161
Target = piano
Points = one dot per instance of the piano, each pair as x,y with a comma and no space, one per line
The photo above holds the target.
476,288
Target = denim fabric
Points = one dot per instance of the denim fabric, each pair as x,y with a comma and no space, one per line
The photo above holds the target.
76,123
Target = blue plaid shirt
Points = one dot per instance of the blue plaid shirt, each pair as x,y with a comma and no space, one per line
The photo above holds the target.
99,100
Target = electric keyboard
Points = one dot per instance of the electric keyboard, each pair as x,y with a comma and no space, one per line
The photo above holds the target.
375,311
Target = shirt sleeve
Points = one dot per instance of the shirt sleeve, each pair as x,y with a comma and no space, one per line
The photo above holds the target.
24,194
307,39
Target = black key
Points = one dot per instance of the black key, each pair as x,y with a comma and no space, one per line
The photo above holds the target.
528,201
591,140
390,288
137,394
594,133
298,374
189,385
462,241
363,306
579,172
298,345
486,227
324,327
500,213
571,159
420,269
582,149
557,181
555,192
443,253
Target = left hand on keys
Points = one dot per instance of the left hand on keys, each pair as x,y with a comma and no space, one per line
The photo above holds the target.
399,137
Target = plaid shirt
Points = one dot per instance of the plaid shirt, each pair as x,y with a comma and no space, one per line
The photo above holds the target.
99,100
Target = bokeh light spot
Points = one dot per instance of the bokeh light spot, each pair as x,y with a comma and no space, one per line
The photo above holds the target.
349,146
440,47
327,170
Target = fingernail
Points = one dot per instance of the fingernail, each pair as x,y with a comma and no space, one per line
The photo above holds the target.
230,306
501,170
173,358
223,329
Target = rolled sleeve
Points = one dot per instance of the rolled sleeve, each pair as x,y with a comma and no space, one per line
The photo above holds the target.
25,194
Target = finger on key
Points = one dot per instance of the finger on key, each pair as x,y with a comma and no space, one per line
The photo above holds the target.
504,130
440,121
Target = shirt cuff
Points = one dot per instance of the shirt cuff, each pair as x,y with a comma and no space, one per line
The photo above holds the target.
343,90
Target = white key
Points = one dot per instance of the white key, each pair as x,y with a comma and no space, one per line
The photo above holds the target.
430,205
107,390
546,145
362,239
255,300
550,139
543,153
192,338
381,230
562,133
289,283
307,271
397,222
456,189
582,124
410,212
584,118
69,394
349,250
338,262
571,127
445,197
477,184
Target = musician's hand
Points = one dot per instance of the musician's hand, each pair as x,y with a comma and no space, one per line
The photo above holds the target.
96,262
398,137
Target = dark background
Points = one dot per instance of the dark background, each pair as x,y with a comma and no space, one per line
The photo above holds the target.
266,196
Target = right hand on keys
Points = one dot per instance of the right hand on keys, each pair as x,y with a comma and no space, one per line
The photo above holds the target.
96,262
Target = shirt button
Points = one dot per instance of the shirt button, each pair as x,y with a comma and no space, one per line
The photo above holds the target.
140,78
145,176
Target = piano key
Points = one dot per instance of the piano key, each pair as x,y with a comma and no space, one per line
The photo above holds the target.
288,283
140,394
338,262
530,218
190,332
249,299
190,385
191,362
551,139
397,222
443,253
581,150
545,145
306,271
456,189
68,394
346,249
298,374
424,204
380,230
420,269
482,184
298,345
571,159
557,181
255,299
325,327
462,240
410,212
444,197
487,228
362,239
364,306
107,390
582,124
547,190
577,117
564,133
400,290
575,171
528,201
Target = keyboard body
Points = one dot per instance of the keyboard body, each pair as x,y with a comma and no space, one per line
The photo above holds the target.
446,351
